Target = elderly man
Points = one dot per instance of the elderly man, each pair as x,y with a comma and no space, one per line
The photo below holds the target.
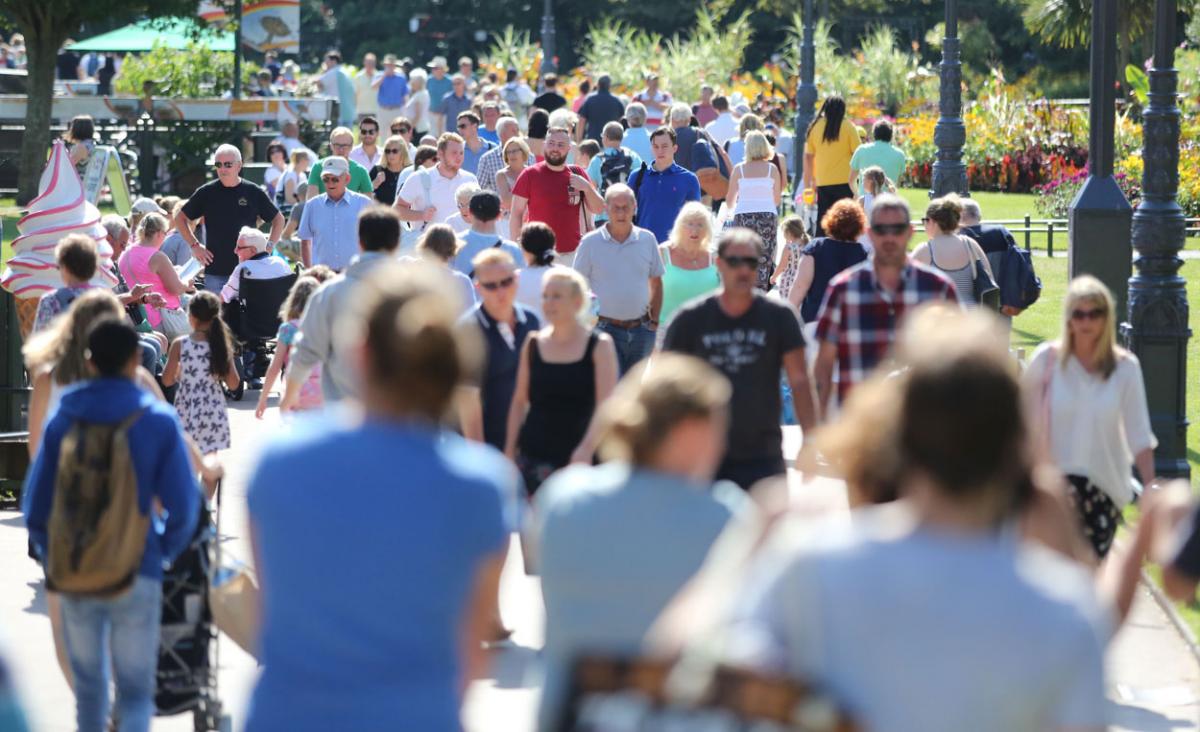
289,137
226,205
258,263
664,186
492,161
329,226
453,104
622,263
637,136
428,195
341,142
998,243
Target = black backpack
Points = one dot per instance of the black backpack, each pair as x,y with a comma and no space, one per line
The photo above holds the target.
615,169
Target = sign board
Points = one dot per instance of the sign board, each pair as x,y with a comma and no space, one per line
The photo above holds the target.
267,25
105,167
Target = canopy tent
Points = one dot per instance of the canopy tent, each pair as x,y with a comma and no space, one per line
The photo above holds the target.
174,33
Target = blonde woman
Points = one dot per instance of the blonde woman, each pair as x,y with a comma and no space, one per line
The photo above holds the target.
144,263
755,190
736,148
957,256
1087,399
516,155
385,176
690,269
566,370
296,174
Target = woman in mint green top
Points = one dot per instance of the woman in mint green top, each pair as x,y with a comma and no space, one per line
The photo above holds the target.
691,269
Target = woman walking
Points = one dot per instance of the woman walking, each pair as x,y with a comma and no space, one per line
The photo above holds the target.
755,189
1087,400
827,256
958,256
566,370
690,269
537,241
829,144
386,175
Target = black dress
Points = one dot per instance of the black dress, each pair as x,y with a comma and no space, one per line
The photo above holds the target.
386,192
562,397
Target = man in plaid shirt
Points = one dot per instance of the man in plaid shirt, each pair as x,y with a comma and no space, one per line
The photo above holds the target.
864,305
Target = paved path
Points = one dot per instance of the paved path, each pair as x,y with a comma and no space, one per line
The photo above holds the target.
1154,679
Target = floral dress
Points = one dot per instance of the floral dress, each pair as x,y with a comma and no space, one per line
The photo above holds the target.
784,285
200,400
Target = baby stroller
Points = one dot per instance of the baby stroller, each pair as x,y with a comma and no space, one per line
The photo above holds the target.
187,654
253,319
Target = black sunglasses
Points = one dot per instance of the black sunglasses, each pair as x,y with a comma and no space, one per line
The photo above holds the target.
392,151
399,130
890,229
367,131
1093,314
227,164
331,178
498,284
740,261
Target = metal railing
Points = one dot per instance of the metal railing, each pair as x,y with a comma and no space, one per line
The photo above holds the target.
1028,226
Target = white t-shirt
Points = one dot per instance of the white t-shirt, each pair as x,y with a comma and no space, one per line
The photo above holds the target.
329,82
915,630
420,121
441,192
654,117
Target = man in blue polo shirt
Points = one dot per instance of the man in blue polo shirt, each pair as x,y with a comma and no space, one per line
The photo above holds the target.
662,188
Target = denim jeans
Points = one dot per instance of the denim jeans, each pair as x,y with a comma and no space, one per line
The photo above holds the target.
118,633
633,344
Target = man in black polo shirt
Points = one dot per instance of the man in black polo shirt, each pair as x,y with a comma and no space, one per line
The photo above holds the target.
504,326
598,110
227,204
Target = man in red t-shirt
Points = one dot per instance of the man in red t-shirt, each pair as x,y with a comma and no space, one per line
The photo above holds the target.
556,194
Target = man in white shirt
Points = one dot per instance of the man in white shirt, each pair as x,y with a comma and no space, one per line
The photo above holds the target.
367,152
656,101
257,262
365,95
428,195
724,127
289,137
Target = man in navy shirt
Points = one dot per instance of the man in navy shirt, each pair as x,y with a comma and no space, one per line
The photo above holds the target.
598,110
662,188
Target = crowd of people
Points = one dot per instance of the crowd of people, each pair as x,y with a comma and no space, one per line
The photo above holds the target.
589,327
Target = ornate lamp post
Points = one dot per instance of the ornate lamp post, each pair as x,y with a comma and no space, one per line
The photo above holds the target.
1157,330
949,173
1099,217
806,93
548,34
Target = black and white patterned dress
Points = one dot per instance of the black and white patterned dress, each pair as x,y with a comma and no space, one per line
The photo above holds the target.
200,400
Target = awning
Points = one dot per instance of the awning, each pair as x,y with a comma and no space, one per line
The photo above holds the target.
173,33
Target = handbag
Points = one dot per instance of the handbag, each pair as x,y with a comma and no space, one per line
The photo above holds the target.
984,288
713,183
173,323
234,600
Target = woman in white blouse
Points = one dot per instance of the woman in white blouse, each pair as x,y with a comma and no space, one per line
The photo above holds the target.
417,107
1087,400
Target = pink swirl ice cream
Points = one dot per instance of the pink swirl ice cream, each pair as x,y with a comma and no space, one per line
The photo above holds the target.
60,209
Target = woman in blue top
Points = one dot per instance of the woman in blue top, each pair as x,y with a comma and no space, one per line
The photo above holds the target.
378,536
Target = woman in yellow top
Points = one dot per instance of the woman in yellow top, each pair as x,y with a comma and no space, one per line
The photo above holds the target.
830,143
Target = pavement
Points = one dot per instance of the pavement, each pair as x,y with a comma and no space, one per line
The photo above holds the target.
1154,678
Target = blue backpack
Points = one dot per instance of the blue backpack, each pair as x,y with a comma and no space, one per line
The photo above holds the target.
1020,287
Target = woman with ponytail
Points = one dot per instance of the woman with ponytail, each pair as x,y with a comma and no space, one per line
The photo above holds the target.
199,363
829,145
537,241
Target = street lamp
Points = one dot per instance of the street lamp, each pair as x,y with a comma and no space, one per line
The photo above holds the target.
949,173
547,37
1157,330
806,93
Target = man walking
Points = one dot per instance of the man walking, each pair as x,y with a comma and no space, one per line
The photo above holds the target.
724,127
438,86
492,161
341,142
336,84
428,195
881,152
485,211
517,95
378,237
661,189
550,99
598,110
226,205
656,101
474,146
750,338
637,137
111,636
865,305
556,194
998,243
329,225
615,163
391,87
623,265
367,152
365,95
453,104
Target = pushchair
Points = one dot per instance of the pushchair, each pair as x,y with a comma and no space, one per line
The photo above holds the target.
188,659
253,319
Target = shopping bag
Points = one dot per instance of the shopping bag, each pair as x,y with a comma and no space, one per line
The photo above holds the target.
234,599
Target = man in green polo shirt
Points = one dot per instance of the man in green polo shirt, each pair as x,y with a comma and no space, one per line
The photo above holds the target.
881,152
341,140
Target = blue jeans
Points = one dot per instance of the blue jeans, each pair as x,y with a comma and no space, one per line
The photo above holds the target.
633,344
118,633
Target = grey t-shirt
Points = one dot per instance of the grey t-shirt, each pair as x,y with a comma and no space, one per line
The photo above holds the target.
620,272
916,630
749,350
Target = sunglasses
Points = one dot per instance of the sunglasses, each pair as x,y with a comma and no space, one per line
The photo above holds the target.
401,130
741,261
463,126
498,284
331,178
1093,314
227,164
391,151
890,229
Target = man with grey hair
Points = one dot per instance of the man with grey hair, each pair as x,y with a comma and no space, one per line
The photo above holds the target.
998,243
226,204
453,104
598,110
492,161
624,268
615,163
637,137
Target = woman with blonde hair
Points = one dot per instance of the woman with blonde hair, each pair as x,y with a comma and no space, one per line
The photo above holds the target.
690,268
1087,400
566,370
516,155
145,263
386,175
663,433
736,148
755,190
417,106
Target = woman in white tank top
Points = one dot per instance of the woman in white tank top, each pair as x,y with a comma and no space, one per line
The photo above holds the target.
755,189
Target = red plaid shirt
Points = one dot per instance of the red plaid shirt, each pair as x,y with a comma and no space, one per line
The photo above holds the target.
861,318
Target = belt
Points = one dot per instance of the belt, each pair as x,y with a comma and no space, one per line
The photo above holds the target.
623,324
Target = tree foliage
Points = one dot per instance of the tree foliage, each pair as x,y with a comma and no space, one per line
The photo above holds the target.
193,72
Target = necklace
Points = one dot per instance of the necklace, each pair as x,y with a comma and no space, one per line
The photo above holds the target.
688,258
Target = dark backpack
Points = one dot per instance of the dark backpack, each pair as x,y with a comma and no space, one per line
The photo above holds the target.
1020,287
97,532
614,169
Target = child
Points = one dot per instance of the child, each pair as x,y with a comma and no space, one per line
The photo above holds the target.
293,308
199,363
795,238
875,182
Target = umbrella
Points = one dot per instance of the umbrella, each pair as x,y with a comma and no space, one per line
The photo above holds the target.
174,33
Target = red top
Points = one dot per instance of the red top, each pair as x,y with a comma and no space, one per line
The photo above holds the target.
546,191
